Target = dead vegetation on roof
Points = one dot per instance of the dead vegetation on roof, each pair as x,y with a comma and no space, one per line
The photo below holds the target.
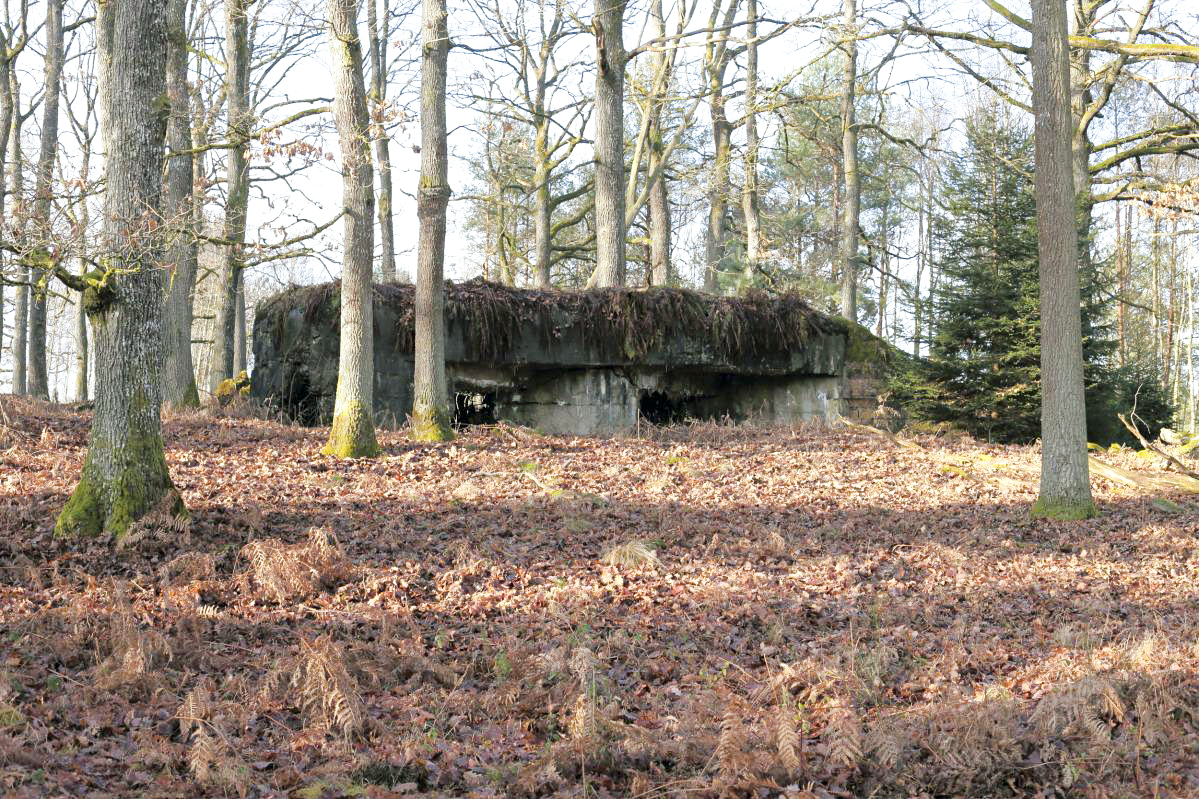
623,323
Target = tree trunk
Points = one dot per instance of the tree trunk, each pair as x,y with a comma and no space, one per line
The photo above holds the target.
608,26
848,257
20,338
750,199
659,196
542,210
81,344
716,62
430,402
82,224
239,327
125,473
39,380
6,117
179,377
378,97
1065,480
353,432
237,202
543,245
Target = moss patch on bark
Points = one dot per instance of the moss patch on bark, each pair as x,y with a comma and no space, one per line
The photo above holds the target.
1060,511
352,434
430,425
142,485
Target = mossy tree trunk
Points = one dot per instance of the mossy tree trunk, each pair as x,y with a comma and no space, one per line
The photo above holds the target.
353,433
430,401
125,472
1065,476
608,25
179,377
39,379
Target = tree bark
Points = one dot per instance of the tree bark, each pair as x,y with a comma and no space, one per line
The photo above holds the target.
848,257
750,199
125,472
6,118
430,400
378,96
82,224
717,57
179,377
1065,480
39,380
21,311
659,197
608,25
237,201
353,432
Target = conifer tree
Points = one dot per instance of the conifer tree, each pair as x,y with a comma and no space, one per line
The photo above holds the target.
983,370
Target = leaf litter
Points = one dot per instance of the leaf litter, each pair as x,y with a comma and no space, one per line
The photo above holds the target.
699,611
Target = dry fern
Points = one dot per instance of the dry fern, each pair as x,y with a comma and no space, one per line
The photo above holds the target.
584,723
135,652
210,757
188,568
730,746
299,571
788,741
165,523
843,736
328,695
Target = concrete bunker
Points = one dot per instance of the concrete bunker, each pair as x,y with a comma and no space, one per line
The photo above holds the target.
571,362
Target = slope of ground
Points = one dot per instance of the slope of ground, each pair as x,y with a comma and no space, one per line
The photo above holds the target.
703,611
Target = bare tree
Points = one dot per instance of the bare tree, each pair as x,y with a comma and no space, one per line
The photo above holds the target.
430,403
125,472
659,200
82,114
14,36
20,342
718,57
179,377
610,224
237,198
39,384
750,204
1065,478
379,34
353,431
851,209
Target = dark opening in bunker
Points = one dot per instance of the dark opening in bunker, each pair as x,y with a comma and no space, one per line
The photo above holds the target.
660,408
300,403
474,407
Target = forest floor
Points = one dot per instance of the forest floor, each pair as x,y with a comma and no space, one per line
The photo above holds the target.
700,611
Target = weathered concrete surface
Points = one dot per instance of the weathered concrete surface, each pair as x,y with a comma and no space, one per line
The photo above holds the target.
583,363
